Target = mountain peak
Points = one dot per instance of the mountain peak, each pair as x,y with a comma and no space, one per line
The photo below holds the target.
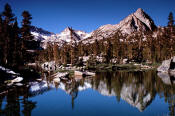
67,29
39,33
135,22
145,18
139,11
40,30
139,21
69,34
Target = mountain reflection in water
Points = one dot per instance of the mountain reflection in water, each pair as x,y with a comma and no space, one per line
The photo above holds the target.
139,89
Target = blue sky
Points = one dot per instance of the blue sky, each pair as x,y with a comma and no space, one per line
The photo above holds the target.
87,15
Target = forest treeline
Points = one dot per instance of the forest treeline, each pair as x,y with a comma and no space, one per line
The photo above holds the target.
149,46
15,40
17,46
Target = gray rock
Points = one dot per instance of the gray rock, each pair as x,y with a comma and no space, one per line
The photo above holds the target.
173,59
167,71
165,66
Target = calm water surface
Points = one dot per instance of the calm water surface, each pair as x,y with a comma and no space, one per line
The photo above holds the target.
120,93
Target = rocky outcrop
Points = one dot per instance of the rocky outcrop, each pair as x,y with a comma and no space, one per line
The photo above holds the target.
168,66
167,71
49,66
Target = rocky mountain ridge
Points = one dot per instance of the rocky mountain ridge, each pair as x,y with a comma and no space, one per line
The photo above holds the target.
135,22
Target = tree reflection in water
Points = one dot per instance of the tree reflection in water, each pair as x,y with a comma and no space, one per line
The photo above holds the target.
137,88
15,101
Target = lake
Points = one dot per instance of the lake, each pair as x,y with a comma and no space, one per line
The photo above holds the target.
123,93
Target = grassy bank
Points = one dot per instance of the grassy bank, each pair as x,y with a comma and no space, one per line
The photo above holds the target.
114,67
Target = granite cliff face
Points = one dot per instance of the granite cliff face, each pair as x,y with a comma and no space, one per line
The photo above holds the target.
135,22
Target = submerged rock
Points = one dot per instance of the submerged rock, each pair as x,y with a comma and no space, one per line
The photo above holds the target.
19,84
83,73
58,76
78,73
15,81
89,73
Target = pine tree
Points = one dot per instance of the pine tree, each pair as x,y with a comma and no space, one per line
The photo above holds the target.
80,49
97,48
109,54
170,21
26,26
72,52
55,53
8,17
16,45
1,40
1,25
25,34
116,45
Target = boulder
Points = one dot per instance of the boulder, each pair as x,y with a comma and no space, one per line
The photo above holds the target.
125,61
17,80
57,79
167,65
49,66
166,71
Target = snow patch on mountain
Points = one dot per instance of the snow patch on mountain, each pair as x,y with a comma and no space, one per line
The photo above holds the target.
135,22
40,34
66,36
69,35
